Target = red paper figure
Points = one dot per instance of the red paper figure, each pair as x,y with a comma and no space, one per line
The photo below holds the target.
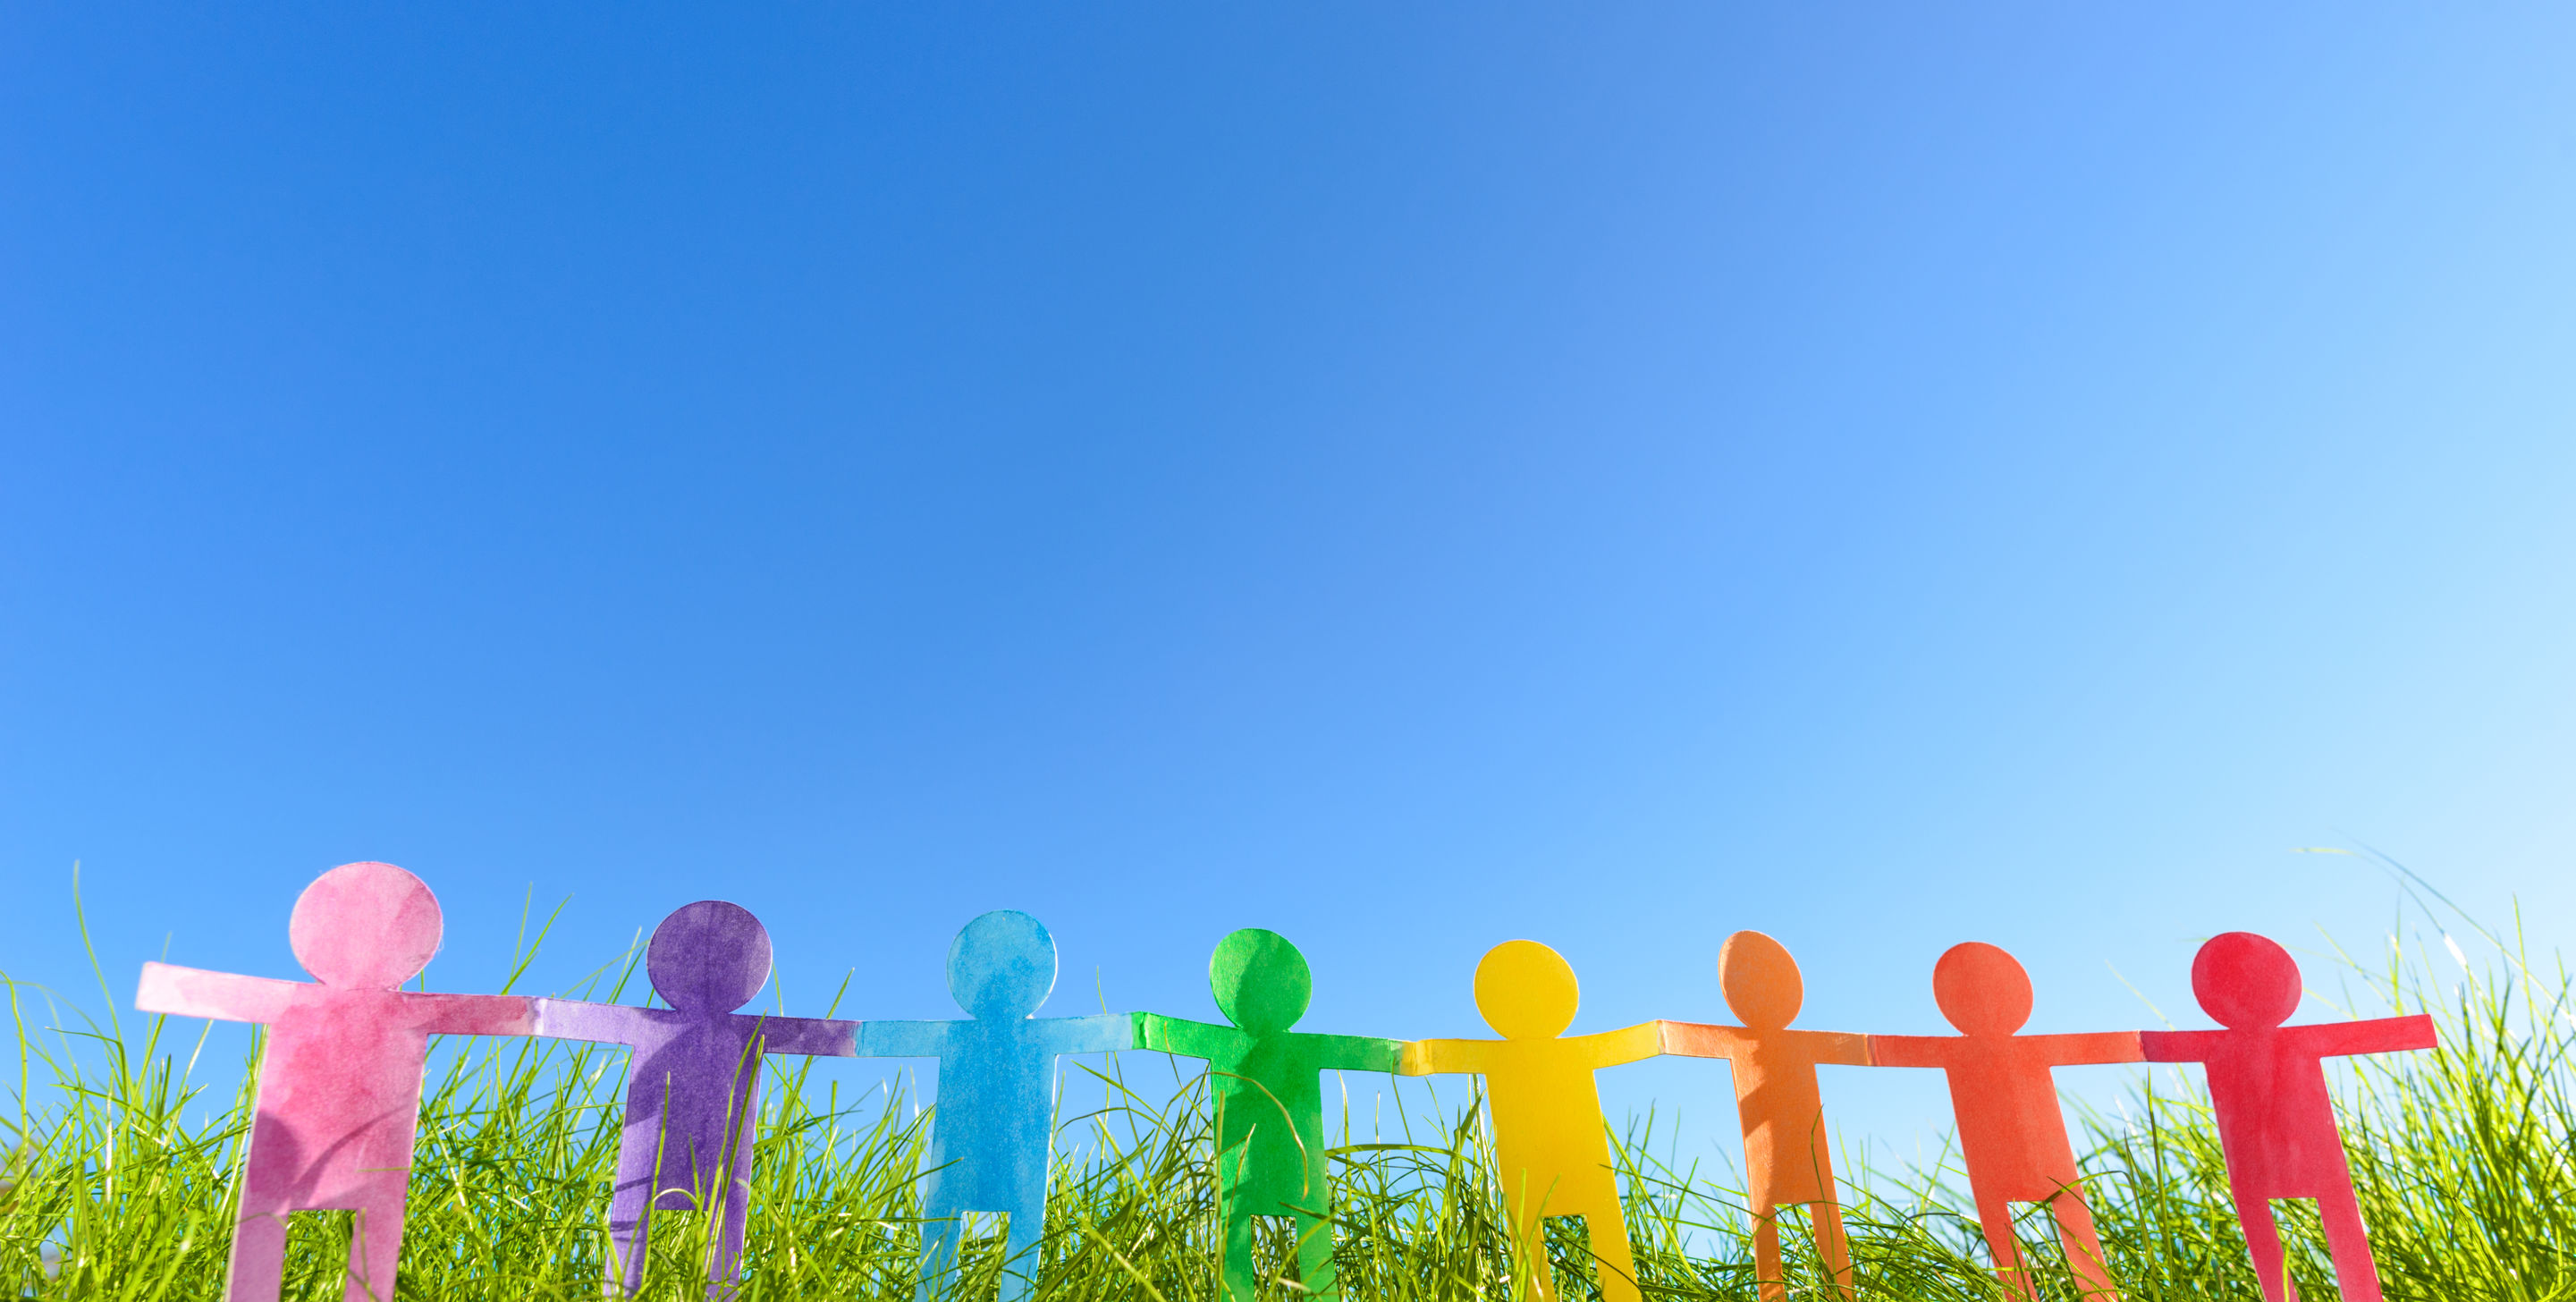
2010,1129
2276,1121
339,1085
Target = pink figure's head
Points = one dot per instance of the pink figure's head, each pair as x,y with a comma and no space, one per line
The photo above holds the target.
1981,989
2245,981
708,957
365,926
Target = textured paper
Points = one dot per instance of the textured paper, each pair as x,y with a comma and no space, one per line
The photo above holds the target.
2276,1121
1265,1083
992,1133
340,1080
1787,1159
1552,1151
693,1087
2011,1133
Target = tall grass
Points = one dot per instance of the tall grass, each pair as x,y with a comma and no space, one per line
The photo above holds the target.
2463,1157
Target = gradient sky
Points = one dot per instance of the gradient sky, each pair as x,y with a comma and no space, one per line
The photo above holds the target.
1405,475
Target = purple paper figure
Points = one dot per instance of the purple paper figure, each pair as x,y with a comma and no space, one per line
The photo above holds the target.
2276,1121
340,1079
693,1090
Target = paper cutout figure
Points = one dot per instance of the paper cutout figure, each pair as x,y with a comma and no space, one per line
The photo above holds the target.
1787,1161
693,1087
340,1079
1551,1145
993,1132
2011,1132
1265,1082
2276,1122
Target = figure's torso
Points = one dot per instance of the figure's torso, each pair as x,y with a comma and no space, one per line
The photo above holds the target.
1547,1114
2275,1115
339,1095
1268,1092
2010,1129
1786,1157
990,1140
694,1077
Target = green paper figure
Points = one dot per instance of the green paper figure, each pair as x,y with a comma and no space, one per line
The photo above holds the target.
1266,1084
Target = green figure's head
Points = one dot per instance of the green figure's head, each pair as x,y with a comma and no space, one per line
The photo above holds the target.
1260,980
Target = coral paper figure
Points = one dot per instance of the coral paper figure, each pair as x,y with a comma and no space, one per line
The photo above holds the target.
1552,1147
2276,1121
989,1148
1265,1082
693,1089
1786,1159
2010,1129
339,1084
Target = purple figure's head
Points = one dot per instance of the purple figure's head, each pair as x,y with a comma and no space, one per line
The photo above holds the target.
364,926
2245,981
708,957
1002,965
1981,989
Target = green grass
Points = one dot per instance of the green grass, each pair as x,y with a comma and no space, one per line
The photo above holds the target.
2466,1160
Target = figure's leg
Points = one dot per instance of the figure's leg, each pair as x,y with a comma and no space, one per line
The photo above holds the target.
375,1245
940,1227
2356,1275
1532,1278
724,1265
258,1268
1768,1274
1607,1228
630,1206
1994,1216
1021,1234
1240,1283
2263,1244
2084,1256
1833,1247
1315,1268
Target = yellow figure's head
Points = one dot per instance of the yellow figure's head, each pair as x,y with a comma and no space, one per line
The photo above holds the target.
1526,991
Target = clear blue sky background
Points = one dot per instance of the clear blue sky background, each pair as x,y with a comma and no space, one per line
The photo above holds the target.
1406,475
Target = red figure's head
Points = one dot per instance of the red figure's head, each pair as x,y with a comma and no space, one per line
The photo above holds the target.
1760,980
1981,989
364,926
2245,981
708,957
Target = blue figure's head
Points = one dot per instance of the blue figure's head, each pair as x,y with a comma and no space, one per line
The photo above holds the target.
1002,965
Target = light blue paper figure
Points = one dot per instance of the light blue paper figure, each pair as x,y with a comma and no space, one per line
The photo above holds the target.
994,1132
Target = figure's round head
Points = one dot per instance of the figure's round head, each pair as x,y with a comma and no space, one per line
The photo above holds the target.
1002,965
1260,980
1760,980
364,926
1526,991
1981,989
2245,981
708,957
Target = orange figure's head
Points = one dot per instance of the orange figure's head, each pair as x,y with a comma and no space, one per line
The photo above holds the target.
1760,980
365,926
1526,991
2246,981
1981,989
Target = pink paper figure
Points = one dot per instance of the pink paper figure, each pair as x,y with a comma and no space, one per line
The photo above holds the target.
2276,1121
340,1079
693,1091
2010,1129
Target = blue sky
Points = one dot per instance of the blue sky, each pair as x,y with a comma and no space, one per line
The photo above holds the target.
1403,475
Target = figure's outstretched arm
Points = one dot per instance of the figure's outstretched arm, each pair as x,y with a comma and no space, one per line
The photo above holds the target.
1705,1039
1841,1048
2091,1047
224,996
902,1039
2179,1046
474,1014
2378,1035
1177,1035
1627,1044
1441,1057
572,1019
1358,1053
1097,1033
1911,1050
824,1037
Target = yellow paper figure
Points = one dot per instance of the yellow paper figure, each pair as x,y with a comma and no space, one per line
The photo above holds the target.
1549,1138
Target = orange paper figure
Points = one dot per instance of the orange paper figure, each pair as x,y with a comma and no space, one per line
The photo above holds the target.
2010,1129
1786,1159
1549,1138
339,1083
2276,1122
